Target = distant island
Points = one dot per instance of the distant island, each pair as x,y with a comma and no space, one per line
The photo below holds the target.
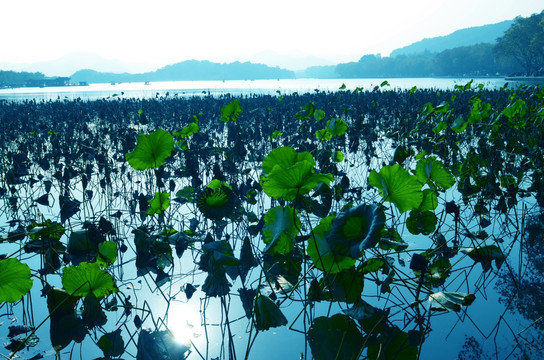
490,50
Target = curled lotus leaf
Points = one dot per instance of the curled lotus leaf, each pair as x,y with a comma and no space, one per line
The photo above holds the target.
216,201
356,230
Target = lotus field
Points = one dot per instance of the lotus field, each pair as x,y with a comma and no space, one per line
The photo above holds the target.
350,223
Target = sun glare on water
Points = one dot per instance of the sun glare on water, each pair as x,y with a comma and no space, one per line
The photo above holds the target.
184,323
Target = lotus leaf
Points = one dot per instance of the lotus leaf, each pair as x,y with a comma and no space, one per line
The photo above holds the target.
321,253
15,280
188,130
159,203
267,313
288,174
108,252
281,225
356,230
393,344
432,170
216,201
231,111
421,222
86,278
112,344
151,150
335,337
396,185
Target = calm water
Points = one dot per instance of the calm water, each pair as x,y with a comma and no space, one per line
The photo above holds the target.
234,87
448,331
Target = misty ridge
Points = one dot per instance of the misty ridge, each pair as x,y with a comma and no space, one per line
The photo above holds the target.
467,52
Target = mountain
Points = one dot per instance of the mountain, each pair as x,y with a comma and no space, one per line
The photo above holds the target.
70,63
463,37
190,70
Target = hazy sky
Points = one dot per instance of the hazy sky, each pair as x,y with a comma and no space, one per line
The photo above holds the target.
162,32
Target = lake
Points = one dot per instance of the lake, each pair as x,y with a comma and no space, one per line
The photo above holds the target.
74,145
234,87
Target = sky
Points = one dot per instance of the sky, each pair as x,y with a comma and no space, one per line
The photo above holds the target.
162,32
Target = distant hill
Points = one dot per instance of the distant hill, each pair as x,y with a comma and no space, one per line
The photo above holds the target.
464,37
73,62
190,70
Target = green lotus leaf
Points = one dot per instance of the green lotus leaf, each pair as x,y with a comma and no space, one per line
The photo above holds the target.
401,154
452,301
159,203
112,344
356,230
107,252
281,225
216,201
231,111
267,313
320,250
430,200
15,280
392,344
338,156
288,174
335,337
396,185
151,150
432,170
188,130
421,222
86,278
285,157
344,286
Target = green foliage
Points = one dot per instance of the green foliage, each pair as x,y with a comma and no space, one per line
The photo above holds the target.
523,42
432,171
267,313
15,280
281,225
396,185
421,222
320,250
288,174
356,230
275,134
107,252
159,204
231,111
335,337
188,130
393,344
334,127
151,150
216,201
87,278
112,344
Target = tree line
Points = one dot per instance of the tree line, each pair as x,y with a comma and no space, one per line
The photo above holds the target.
519,51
